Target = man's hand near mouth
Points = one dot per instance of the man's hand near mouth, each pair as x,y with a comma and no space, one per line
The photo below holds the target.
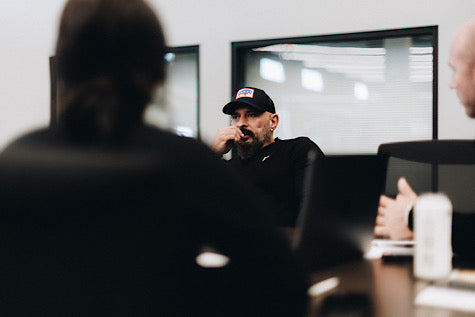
226,138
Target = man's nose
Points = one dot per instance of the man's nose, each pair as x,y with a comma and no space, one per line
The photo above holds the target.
241,122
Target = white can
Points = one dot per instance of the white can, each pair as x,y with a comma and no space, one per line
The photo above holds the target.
433,236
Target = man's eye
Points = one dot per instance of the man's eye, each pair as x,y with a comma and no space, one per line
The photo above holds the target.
253,115
234,116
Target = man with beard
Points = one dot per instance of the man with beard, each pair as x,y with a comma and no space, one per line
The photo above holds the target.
274,166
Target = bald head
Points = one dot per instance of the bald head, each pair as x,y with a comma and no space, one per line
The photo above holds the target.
462,62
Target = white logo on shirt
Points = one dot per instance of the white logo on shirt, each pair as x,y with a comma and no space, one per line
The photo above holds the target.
265,158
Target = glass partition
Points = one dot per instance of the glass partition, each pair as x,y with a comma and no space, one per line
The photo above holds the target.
347,92
176,103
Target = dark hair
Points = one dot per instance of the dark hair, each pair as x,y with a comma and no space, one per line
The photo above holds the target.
110,56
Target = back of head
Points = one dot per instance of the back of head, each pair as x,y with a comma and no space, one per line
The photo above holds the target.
110,58
469,30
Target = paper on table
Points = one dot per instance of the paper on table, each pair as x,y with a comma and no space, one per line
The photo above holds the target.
462,278
392,243
385,247
446,297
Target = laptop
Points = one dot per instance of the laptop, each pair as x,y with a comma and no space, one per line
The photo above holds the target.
339,208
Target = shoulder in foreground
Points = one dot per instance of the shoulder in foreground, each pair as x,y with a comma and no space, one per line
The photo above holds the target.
184,149
143,138
33,138
168,140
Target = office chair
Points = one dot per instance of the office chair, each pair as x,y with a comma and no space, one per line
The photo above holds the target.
432,165
446,166
432,151
82,234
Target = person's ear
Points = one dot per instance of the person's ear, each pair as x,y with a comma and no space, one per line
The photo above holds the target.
274,121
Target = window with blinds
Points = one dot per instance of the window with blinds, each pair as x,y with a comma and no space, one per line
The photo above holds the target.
347,92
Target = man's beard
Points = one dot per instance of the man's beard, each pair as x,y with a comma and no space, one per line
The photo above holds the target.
246,150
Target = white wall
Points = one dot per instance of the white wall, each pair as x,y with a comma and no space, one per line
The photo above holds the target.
28,30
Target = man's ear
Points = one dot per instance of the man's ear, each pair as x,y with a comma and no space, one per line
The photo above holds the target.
274,121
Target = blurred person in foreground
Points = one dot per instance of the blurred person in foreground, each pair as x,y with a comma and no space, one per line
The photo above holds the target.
394,219
113,262
276,167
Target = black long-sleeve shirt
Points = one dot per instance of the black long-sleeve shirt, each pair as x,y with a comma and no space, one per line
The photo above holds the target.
277,170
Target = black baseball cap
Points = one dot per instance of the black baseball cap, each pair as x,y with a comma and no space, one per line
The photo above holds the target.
251,97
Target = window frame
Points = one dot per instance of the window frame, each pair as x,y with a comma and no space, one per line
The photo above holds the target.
238,50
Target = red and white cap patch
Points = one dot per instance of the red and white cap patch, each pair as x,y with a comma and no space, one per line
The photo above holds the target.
245,93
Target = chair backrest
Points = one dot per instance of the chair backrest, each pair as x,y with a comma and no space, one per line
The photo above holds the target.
337,218
434,165
86,233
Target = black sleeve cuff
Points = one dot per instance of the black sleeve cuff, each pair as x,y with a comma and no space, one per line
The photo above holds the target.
410,222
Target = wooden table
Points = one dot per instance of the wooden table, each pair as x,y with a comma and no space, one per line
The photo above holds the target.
373,288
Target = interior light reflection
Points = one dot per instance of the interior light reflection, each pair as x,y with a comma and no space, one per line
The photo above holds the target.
209,259
272,70
170,57
361,91
311,79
